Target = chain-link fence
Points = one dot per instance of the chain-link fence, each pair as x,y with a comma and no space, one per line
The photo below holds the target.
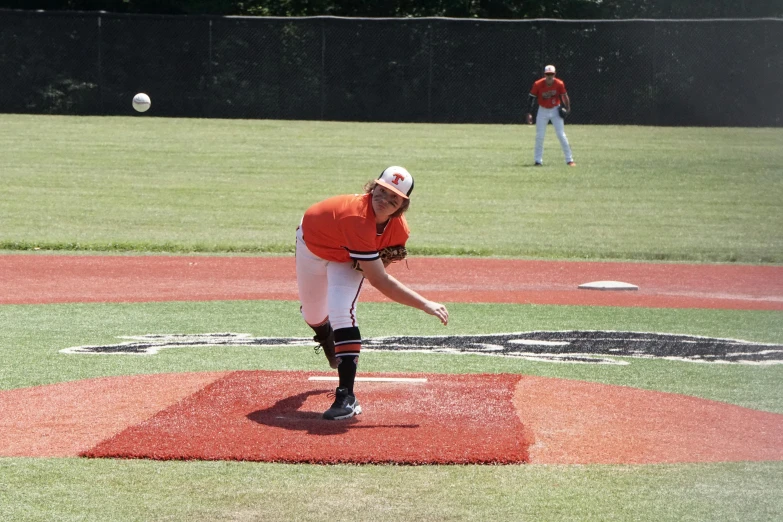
646,72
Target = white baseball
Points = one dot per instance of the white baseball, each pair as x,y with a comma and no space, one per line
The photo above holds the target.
141,102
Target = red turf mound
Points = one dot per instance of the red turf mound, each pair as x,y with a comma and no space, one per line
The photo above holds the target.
275,417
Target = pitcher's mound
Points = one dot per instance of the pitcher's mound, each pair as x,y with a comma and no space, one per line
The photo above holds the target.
421,418
276,417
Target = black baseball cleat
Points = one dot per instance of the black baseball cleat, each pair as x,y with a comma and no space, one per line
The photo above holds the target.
345,406
328,347
538,164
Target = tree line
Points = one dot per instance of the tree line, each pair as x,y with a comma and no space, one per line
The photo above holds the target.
493,9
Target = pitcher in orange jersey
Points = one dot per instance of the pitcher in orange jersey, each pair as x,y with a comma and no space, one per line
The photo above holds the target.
333,234
549,93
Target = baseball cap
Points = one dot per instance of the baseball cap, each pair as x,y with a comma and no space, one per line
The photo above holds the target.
398,180
549,69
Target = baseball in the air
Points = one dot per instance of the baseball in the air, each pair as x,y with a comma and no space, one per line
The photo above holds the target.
141,102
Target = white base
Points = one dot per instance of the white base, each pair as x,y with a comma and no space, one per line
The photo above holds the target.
608,285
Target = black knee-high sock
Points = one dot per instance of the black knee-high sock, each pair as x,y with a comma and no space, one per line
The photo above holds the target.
348,344
346,369
323,331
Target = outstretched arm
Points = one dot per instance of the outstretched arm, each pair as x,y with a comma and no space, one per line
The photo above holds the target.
376,274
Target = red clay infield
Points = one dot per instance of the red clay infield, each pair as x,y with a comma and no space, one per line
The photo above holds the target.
274,416
456,419
39,279
65,419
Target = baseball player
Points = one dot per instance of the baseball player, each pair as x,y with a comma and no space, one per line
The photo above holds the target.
549,92
338,246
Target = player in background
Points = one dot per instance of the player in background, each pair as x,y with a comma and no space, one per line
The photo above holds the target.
549,92
334,233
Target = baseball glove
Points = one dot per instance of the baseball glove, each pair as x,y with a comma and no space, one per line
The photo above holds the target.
562,111
389,255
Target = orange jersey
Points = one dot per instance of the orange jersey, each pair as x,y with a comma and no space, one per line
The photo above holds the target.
548,95
342,228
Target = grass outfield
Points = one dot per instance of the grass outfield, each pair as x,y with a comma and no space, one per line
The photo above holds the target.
141,184
182,185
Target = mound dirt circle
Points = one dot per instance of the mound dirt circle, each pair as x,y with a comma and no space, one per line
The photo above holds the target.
275,417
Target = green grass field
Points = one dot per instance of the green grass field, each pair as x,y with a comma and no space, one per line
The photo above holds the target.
186,185
146,184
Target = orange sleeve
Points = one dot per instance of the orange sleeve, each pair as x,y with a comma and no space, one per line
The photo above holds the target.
341,228
534,89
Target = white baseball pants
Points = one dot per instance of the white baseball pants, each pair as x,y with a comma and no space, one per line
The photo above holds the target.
544,117
327,289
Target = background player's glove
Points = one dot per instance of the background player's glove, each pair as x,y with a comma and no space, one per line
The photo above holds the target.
389,255
563,112
528,118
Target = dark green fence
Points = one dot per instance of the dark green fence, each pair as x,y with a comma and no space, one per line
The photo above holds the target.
645,72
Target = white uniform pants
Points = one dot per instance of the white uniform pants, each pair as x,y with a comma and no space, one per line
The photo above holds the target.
544,116
327,289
